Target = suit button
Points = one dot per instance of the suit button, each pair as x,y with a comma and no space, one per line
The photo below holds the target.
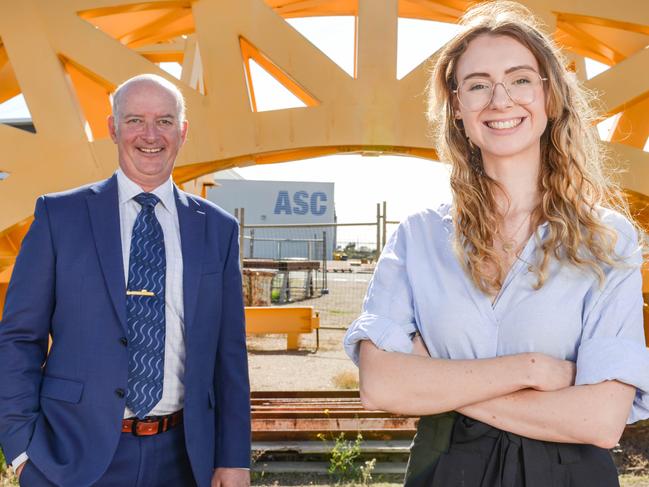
120,393
123,341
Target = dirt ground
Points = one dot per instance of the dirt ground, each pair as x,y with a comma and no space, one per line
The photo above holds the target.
632,455
273,368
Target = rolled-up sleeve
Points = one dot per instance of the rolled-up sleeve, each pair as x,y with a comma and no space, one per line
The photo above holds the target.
613,343
387,318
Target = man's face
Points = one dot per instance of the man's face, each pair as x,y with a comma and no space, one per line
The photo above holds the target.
148,133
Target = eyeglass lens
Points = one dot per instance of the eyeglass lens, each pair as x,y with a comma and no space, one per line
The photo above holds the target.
476,93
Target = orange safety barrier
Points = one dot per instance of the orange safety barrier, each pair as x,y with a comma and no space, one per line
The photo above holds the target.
292,321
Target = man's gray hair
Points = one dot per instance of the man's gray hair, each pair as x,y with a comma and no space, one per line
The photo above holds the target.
149,78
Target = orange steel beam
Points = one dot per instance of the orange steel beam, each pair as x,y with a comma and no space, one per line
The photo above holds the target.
164,52
248,51
131,8
8,82
183,174
93,95
586,44
585,19
170,25
441,11
633,126
639,207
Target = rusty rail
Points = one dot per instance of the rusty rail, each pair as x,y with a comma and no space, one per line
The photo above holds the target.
304,415
286,427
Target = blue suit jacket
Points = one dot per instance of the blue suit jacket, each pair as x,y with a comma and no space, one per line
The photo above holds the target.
65,409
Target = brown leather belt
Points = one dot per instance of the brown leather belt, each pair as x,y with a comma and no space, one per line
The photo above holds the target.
152,425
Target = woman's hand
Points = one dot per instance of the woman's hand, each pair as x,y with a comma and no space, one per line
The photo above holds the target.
548,373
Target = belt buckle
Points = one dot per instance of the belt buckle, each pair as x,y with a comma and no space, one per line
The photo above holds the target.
158,421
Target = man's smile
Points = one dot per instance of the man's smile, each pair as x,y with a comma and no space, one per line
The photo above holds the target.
150,150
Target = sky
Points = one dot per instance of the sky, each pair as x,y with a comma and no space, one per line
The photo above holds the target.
406,184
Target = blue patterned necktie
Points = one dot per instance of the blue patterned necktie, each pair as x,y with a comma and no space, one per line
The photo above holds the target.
145,309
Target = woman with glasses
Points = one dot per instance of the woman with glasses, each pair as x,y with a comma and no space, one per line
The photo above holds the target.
511,318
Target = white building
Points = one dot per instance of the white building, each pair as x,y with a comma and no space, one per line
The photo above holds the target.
279,203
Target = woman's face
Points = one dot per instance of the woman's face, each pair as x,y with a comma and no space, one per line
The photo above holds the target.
503,129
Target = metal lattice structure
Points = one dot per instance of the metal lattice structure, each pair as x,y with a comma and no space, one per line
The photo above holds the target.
66,56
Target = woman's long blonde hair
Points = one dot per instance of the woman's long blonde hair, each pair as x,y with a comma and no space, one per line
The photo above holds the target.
572,182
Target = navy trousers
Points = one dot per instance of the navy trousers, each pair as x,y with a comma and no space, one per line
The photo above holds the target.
145,461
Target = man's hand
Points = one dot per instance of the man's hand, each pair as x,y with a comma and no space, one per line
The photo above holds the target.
231,477
19,470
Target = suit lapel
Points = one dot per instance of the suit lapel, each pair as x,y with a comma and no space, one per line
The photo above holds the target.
103,206
192,239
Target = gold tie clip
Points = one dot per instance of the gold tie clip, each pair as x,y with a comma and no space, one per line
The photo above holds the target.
142,292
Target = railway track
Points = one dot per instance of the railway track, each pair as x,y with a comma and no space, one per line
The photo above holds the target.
294,431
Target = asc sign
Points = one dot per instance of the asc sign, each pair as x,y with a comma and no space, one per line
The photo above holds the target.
301,203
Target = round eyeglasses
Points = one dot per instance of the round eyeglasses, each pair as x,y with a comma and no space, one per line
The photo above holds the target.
521,86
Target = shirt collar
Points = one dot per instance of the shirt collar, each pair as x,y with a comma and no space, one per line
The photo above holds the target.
127,190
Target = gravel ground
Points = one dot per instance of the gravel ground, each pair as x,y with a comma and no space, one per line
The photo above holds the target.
273,368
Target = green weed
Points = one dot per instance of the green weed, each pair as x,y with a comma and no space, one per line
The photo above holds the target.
343,458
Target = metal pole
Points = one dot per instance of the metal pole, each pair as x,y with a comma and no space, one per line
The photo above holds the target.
385,223
242,230
325,287
378,230
251,245
334,244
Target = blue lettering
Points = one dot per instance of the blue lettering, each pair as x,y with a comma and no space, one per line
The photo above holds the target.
283,203
316,208
302,207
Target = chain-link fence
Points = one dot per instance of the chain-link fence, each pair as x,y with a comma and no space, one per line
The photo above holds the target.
327,266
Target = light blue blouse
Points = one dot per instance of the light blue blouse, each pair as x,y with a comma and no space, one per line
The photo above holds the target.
419,285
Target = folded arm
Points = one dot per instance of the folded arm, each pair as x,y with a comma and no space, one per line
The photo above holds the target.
393,381
593,414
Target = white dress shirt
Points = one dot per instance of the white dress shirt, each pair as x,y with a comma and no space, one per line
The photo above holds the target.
173,391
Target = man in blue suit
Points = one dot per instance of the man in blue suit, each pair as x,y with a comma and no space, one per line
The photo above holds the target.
138,284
